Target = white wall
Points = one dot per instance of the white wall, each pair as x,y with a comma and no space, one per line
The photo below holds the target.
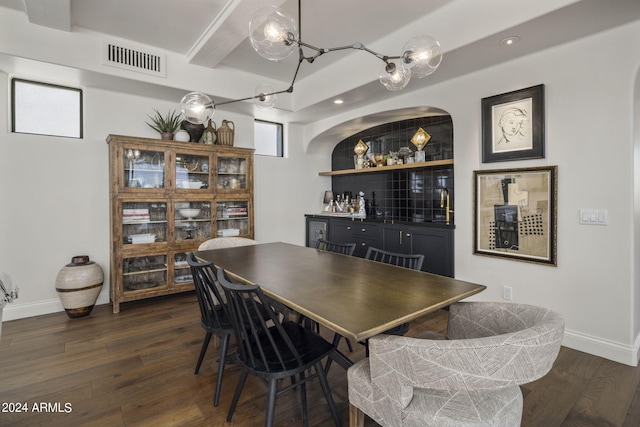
54,191
288,188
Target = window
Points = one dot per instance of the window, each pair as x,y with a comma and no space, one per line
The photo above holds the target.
268,138
45,109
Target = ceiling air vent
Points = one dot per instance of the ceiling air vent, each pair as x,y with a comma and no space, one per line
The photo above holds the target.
119,56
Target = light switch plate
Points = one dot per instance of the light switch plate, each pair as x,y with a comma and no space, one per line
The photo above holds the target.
593,216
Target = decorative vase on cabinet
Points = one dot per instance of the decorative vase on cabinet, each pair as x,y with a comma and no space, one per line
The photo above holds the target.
78,285
226,133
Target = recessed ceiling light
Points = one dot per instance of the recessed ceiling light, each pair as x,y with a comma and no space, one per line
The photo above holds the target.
510,40
338,101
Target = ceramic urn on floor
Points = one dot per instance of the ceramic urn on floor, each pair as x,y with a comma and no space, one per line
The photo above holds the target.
78,285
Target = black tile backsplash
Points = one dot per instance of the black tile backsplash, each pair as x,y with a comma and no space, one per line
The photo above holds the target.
404,194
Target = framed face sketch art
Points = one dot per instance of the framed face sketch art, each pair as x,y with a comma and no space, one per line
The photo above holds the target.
515,214
513,125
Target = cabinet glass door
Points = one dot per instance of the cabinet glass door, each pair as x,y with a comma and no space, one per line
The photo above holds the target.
144,272
143,168
181,270
144,222
192,171
232,218
192,220
232,173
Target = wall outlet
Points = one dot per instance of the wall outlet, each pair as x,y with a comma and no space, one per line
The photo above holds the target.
507,293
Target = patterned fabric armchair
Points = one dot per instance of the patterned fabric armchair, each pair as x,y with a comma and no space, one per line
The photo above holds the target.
469,379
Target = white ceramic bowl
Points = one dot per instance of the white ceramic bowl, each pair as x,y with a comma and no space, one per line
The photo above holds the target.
189,213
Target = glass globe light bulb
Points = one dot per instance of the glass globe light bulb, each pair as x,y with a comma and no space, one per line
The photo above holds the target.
197,108
262,100
395,76
422,55
273,33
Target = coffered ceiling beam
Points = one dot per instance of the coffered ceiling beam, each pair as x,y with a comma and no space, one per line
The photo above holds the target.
49,13
225,32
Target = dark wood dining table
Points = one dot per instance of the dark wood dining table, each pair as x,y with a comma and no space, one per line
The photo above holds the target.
354,297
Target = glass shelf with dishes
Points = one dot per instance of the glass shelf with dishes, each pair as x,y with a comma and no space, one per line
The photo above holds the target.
144,272
232,218
143,168
232,173
192,220
144,222
192,171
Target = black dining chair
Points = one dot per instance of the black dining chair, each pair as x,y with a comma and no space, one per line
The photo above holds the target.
273,350
340,248
213,316
414,262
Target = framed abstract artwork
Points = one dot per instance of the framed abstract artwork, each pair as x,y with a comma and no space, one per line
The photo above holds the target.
513,125
516,214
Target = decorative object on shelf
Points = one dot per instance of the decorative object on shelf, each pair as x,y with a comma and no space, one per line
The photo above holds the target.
360,149
195,131
420,139
274,35
191,166
516,214
362,212
405,154
513,125
182,136
226,133
328,200
209,135
379,159
166,125
189,213
78,285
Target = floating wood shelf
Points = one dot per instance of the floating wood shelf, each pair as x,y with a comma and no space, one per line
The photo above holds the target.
430,164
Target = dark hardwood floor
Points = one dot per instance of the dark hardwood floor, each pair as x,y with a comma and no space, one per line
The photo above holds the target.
135,368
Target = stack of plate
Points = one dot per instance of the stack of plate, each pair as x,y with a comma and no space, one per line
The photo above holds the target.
229,232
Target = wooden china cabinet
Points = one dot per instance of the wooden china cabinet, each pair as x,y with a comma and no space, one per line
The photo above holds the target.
167,198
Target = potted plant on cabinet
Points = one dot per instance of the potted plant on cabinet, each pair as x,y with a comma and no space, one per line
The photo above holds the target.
165,125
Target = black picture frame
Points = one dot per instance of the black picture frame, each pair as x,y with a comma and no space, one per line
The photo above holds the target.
513,125
515,214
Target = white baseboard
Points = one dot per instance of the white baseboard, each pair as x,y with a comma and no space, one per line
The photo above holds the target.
606,349
15,310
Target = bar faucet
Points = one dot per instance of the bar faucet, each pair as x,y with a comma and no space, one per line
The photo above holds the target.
444,203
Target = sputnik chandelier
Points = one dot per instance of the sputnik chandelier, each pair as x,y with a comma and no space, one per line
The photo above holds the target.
274,36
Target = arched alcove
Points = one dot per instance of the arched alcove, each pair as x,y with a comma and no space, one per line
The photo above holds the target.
323,136
410,194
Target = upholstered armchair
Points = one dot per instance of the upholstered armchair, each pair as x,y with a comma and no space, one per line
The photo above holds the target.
471,378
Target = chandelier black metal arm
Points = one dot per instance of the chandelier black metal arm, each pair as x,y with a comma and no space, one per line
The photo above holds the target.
272,33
